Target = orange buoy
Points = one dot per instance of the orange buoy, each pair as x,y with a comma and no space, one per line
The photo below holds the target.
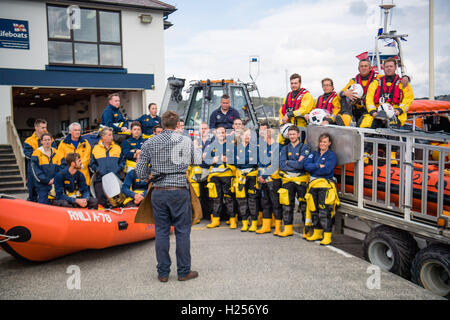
39,232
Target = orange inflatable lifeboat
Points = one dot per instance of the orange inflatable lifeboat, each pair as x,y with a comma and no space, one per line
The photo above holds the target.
432,185
39,232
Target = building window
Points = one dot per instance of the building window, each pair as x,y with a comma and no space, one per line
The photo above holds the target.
95,40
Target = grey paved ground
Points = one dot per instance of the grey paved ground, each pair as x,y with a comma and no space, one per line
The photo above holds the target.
232,265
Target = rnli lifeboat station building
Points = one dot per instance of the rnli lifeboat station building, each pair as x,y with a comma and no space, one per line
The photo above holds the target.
59,60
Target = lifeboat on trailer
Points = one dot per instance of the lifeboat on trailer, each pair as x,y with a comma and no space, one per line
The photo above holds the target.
432,185
38,232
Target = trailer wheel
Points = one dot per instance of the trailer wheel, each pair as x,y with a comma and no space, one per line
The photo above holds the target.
431,269
391,249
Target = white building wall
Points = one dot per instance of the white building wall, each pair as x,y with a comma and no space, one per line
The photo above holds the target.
35,13
142,49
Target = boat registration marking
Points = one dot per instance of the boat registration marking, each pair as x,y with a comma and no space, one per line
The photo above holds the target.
89,217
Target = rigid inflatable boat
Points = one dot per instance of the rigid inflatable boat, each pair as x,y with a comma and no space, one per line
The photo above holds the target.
39,232
432,185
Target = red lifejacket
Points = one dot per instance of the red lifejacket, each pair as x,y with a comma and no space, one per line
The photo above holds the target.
292,104
359,79
392,94
326,104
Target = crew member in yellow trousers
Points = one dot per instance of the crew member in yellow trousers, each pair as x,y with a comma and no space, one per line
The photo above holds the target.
219,154
269,180
294,178
198,174
245,184
321,195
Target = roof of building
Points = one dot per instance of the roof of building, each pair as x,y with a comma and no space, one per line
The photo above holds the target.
143,4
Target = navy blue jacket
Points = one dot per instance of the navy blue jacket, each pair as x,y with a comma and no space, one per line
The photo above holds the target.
245,157
66,183
265,164
129,147
132,182
314,160
289,156
218,118
148,123
113,115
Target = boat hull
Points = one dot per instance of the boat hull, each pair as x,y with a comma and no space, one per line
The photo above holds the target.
42,232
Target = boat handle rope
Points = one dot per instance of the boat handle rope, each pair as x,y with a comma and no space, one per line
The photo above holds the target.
7,237
121,210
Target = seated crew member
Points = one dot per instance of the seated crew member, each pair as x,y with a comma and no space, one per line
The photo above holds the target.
71,188
106,157
75,143
131,147
294,179
29,146
388,89
238,127
321,195
225,115
149,121
134,188
112,117
269,180
246,188
297,103
218,155
45,162
329,102
350,104
198,174
157,129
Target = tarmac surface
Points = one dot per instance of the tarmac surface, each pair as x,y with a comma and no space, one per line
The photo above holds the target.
232,265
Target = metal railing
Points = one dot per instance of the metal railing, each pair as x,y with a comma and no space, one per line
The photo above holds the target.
414,189
14,141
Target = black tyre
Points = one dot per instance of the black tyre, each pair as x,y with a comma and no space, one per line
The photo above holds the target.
391,249
431,269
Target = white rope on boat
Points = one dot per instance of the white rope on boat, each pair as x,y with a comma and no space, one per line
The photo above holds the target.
7,237
121,210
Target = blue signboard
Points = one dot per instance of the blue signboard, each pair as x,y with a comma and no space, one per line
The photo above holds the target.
14,34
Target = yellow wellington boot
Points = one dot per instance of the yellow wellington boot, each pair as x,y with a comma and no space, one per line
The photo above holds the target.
215,223
233,224
326,239
196,221
288,231
394,162
272,222
317,235
277,227
260,218
244,225
266,226
253,226
306,234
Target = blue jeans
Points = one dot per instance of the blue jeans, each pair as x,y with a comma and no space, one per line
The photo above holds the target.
172,207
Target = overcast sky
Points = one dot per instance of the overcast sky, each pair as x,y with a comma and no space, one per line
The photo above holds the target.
317,39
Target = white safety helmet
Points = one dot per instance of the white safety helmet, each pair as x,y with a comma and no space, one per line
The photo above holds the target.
357,89
284,130
316,116
388,109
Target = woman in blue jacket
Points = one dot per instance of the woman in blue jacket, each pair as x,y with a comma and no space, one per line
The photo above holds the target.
321,196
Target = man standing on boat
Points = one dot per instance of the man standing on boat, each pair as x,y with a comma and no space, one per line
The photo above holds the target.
170,155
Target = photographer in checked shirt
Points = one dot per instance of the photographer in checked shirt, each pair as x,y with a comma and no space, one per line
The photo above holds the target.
170,154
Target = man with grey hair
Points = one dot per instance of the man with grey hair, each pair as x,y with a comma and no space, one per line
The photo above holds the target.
75,143
105,158
170,155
